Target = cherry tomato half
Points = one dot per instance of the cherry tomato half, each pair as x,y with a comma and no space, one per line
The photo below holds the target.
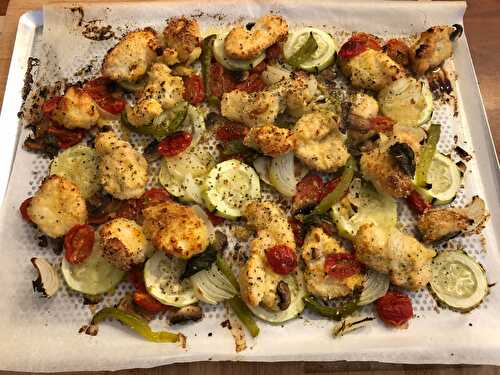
78,243
330,186
65,137
297,230
129,209
99,90
50,105
194,91
394,308
155,196
147,302
221,81
136,277
231,131
397,50
175,143
274,52
282,259
418,203
309,192
23,208
381,124
214,219
358,44
341,265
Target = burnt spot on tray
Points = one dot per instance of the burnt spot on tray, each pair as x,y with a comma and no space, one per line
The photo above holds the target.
92,29
28,77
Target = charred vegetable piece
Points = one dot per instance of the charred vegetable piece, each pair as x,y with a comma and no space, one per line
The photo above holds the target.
47,282
336,313
186,313
136,323
206,60
304,53
200,262
350,324
404,156
427,154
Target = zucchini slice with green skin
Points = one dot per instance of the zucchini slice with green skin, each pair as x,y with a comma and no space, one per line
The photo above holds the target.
407,101
95,275
228,186
297,288
233,64
363,205
443,180
324,55
162,280
458,281
79,165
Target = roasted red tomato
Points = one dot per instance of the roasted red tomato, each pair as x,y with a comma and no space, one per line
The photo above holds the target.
282,259
298,231
23,208
146,302
136,277
418,203
214,219
309,192
341,265
155,196
174,144
129,209
99,90
330,186
78,243
358,44
397,50
66,137
194,91
274,52
253,83
381,124
394,308
220,80
50,105
231,131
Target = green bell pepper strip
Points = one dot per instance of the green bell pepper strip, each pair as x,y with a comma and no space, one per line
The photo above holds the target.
336,194
335,313
159,131
136,323
304,52
206,61
226,271
244,315
236,303
427,154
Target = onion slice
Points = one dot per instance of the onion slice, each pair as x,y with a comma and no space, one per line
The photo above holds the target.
375,286
282,174
261,165
203,216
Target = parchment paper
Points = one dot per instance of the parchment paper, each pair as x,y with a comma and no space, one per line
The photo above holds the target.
42,335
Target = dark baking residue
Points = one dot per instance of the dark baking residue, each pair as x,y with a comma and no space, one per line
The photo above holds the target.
28,77
226,324
92,29
462,153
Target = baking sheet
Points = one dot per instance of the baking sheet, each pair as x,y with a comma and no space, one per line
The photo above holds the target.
42,335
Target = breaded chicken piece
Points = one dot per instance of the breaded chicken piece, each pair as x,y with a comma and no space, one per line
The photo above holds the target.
363,107
444,223
253,109
130,59
317,246
76,110
372,70
382,170
245,44
123,170
175,229
183,35
297,93
319,143
402,257
258,282
162,91
57,206
270,140
433,47
123,242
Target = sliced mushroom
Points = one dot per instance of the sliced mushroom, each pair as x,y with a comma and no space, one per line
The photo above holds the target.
186,313
47,282
219,242
284,295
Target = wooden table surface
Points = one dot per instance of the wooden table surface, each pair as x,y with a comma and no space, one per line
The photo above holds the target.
481,24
